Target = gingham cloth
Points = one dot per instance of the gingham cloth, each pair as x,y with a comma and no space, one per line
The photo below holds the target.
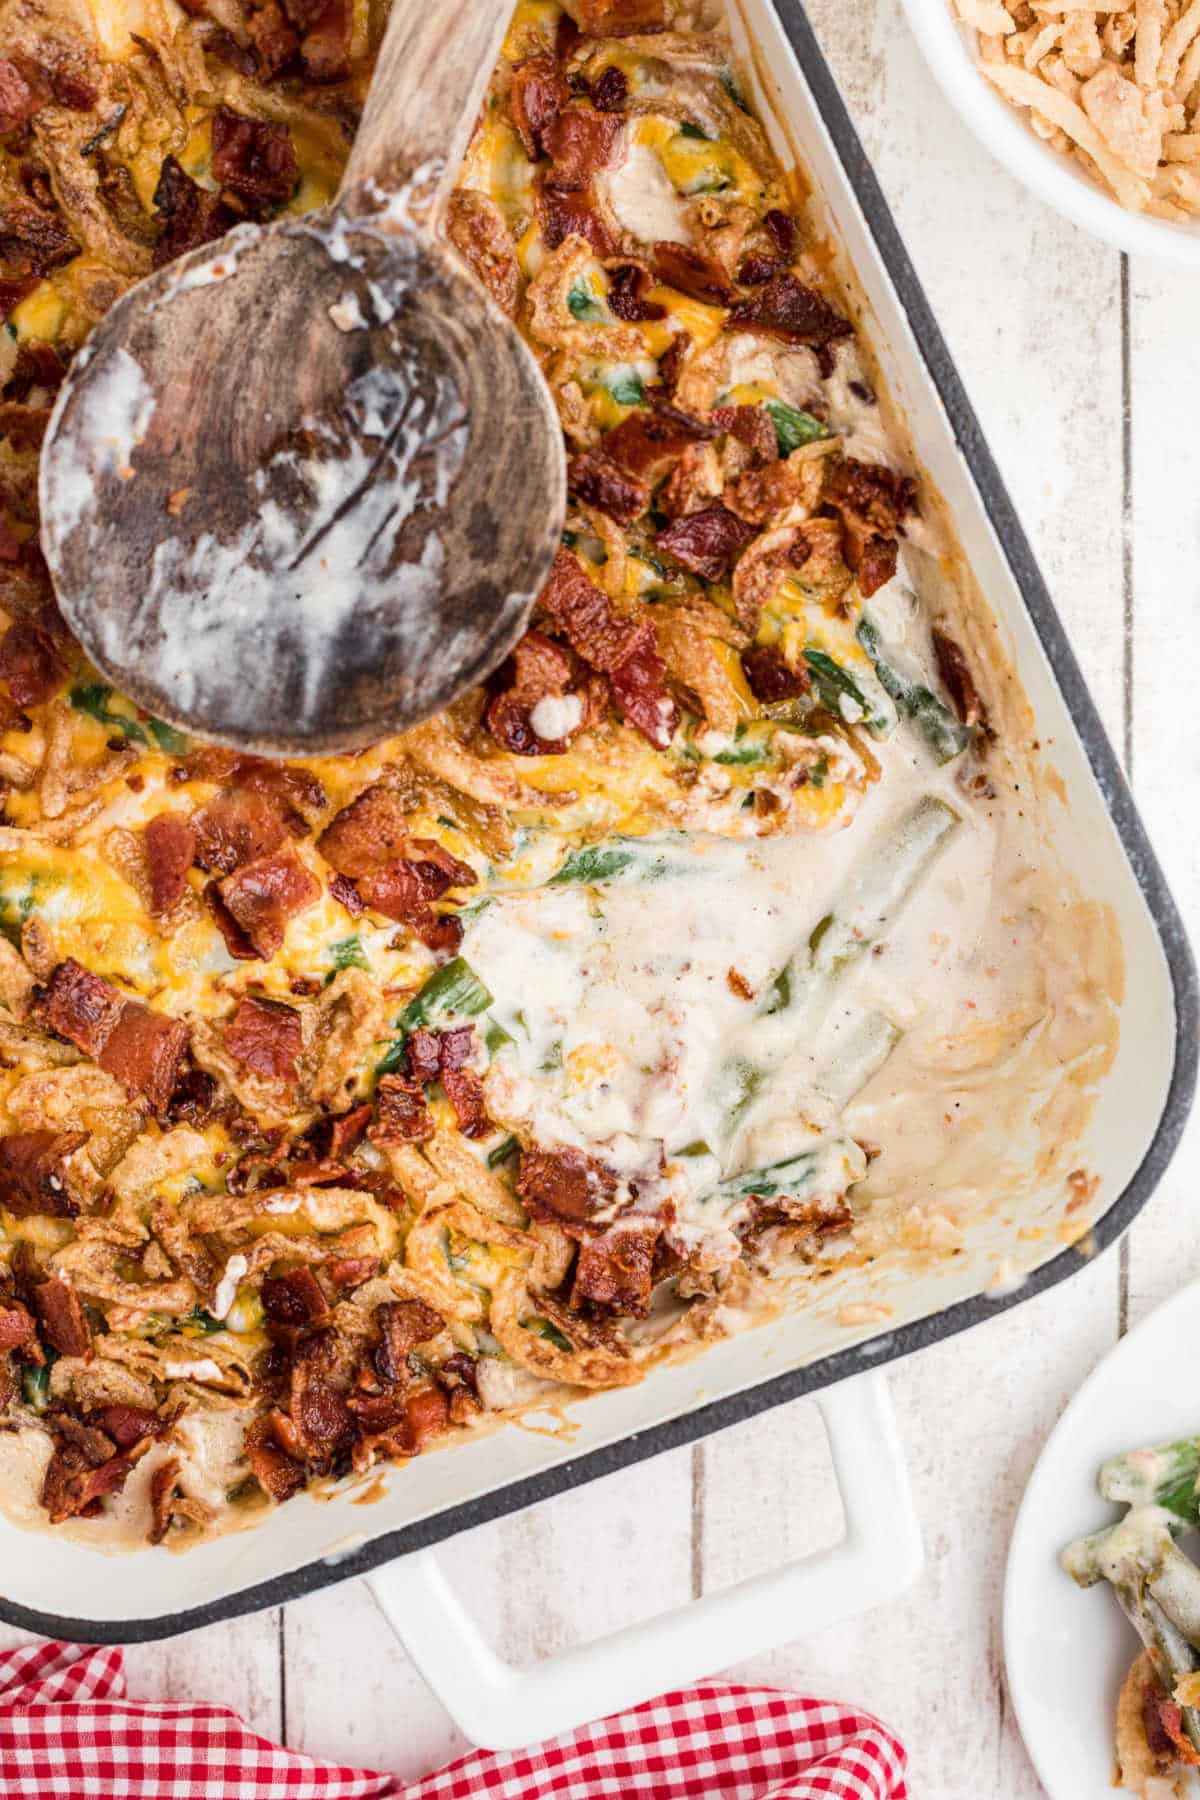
67,1730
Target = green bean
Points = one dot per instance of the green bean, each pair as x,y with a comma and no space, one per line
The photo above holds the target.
453,991
1164,1475
793,428
946,736
835,686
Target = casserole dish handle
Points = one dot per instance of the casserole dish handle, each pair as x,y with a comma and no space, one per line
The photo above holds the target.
506,1708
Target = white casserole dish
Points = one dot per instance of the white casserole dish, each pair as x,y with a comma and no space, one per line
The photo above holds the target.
60,1588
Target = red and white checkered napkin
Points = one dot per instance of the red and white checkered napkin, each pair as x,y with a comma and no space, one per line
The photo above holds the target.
67,1730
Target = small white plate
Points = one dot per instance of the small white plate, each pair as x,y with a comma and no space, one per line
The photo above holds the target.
1067,1649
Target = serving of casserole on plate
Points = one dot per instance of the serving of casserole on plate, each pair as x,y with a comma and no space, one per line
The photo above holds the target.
716,951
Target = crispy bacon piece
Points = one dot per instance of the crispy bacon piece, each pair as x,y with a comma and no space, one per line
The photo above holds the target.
403,1324
29,663
263,895
563,1187
426,1415
456,1047
537,670
538,93
170,850
254,158
585,615
266,1036
187,214
750,425
347,895
477,229
958,680
565,212
275,43
62,1318
784,308
81,1007
770,677
611,90
140,1047
646,444
622,648
424,1052
335,1137
638,686
579,142
145,1051
618,18
22,94
464,1090
369,834
627,287
32,1178
596,481
320,1419
294,1298
73,1489
325,45
163,1485
707,542
397,875
33,240
235,827
783,232
279,1475
871,502
402,1116
691,273
614,1270
16,1327
127,1425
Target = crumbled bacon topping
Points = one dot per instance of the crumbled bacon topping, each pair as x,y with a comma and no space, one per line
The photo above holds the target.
564,1187
784,308
260,898
627,285
266,1036
294,1298
29,663
706,542
567,212
401,1116
253,158
135,1044
770,677
33,1172
537,95
62,1318
579,142
170,851
871,502
614,1269
187,214
538,669
692,273
621,647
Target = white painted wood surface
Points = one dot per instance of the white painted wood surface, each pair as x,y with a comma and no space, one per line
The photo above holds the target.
1084,372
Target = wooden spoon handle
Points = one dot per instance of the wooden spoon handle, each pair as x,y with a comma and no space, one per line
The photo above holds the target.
430,77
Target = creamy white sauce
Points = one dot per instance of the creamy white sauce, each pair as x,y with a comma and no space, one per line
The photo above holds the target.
626,1003
557,716
641,194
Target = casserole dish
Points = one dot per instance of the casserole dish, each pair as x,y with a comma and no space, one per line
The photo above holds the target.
77,1593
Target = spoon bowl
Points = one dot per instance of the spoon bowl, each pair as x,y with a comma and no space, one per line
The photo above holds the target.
368,525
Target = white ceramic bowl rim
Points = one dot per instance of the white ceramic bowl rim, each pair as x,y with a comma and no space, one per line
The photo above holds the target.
1002,128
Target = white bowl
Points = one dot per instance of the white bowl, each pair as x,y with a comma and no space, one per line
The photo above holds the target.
949,48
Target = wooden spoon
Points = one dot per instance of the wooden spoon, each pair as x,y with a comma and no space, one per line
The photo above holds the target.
302,485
